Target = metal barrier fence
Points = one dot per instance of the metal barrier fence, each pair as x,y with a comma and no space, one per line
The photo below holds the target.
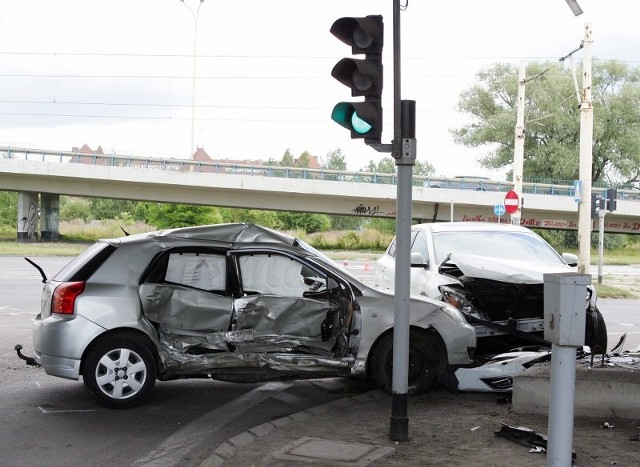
534,186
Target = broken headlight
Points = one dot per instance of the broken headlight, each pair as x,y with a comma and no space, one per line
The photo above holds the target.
460,299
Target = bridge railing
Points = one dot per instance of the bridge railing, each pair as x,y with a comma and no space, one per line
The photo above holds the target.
533,186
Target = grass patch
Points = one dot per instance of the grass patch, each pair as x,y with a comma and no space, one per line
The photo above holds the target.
610,291
14,248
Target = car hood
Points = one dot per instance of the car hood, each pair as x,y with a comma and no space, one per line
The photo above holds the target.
502,270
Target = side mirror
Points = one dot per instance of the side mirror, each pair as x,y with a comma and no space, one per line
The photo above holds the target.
570,259
417,261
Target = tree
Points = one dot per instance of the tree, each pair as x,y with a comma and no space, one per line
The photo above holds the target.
287,159
552,120
423,169
335,161
168,216
304,161
9,208
102,208
74,208
309,223
385,165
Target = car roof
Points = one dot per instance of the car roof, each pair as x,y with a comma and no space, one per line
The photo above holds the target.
234,233
468,227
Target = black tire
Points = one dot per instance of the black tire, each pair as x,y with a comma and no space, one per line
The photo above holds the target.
426,362
595,333
120,372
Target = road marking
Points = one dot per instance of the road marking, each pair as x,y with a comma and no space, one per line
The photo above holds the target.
66,411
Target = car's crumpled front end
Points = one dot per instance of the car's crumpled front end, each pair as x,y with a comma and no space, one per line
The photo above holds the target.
504,299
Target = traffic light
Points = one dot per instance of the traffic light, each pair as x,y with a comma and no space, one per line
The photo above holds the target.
362,76
611,195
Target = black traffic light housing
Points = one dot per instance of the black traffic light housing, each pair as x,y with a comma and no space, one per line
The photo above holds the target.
362,76
611,195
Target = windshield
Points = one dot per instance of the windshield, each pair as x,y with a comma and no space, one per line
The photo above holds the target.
521,246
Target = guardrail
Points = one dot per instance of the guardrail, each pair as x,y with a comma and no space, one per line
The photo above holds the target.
183,165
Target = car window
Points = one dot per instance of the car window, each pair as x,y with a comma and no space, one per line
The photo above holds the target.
507,245
391,251
273,274
85,264
204,271
420,245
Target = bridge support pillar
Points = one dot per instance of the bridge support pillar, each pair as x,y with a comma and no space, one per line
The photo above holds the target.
49,217
27,216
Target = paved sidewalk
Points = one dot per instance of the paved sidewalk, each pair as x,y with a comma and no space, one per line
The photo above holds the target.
444,429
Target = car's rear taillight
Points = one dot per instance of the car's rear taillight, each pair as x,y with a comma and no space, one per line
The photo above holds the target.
64,297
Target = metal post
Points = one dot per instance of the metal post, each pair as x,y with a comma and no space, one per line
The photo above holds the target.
399,429
561,402
193,74
601,214
564,327
518,145
403,150
586,156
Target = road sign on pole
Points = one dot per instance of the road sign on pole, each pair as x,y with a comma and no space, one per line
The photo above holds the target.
511,202
498,209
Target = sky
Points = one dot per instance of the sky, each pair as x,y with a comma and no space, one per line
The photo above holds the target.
120,73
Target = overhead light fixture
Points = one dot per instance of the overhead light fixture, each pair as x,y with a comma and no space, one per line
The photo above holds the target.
573,4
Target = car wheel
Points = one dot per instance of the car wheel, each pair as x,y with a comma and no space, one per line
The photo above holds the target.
120,372
425,363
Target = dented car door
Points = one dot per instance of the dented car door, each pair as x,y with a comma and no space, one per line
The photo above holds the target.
287,305
187,296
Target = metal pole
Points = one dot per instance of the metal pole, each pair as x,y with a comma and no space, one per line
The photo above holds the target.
561,401
404,153
601,214
193,73
518,145
586,142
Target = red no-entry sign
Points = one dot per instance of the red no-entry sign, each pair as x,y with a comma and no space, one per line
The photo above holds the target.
511,202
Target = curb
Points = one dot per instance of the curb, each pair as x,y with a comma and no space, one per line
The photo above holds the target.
227,450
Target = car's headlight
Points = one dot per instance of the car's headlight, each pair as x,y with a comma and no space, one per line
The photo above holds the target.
459,298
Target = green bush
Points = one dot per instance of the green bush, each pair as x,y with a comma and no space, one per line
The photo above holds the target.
367,240
74,208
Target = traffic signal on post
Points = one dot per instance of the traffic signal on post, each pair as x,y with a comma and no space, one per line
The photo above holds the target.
611,194
362,76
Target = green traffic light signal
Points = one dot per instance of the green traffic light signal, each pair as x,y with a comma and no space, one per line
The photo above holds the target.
362,76
362,119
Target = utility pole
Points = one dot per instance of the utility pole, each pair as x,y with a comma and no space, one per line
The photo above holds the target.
518,145
586,157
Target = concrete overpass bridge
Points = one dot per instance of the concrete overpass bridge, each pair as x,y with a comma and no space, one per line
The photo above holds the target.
41,176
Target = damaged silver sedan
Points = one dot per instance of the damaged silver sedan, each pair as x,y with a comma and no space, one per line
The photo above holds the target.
231,302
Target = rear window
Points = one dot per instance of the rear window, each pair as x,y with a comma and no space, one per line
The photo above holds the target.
86,263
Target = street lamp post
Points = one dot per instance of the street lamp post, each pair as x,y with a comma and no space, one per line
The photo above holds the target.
193,74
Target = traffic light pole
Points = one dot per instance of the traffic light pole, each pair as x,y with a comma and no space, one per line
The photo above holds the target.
404,152
405,160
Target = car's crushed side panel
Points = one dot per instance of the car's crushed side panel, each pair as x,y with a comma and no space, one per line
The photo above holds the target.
183,308
235,355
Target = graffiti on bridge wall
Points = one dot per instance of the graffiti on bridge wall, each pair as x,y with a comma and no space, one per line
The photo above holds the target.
363,210
29,223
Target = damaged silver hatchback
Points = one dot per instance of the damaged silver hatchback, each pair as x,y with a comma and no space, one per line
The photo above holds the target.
232,302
